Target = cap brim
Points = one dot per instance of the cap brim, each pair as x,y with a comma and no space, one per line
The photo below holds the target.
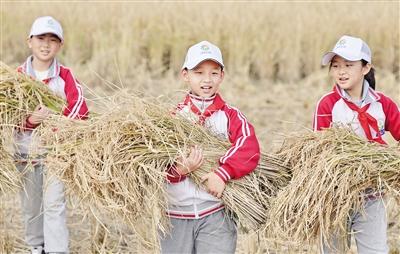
327,58
46,32
195,64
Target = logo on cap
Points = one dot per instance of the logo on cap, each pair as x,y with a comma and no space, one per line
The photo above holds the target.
204,47
342,42
50,22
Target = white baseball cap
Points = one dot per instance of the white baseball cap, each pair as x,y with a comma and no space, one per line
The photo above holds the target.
350,48
200,52
46,24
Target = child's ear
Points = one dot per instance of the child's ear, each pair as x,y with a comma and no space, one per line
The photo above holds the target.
367,68
184,75
28,41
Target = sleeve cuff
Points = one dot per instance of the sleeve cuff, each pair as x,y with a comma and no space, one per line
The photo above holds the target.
173,176
223,174
28,125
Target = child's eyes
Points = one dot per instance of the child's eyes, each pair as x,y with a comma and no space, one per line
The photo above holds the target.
334,66
202,72
349,65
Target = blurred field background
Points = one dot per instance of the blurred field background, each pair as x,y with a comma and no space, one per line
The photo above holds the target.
272,52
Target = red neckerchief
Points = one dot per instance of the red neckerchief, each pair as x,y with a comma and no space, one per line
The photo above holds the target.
366,121
46,81
217,104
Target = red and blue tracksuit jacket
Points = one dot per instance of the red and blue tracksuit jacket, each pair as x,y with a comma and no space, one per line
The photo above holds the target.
61,81
188,201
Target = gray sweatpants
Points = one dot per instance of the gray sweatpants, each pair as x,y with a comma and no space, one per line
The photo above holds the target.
215,233
369,230
44,209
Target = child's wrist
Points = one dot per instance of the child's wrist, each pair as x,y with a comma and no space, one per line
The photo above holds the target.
223,174
178,169
224,180
30,124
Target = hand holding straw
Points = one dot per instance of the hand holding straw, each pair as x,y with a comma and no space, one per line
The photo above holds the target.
39,114
20,95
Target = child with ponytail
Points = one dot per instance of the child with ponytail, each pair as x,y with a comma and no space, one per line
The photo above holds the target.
370,114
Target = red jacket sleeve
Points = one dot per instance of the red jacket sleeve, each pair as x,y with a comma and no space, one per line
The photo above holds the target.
244,154
76,105
392,115
27,125
173,176
323,112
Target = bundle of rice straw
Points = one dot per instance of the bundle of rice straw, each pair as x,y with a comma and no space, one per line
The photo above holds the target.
331,171
116,162
20,94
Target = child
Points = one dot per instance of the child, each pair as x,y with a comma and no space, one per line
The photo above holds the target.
44,210
199,224
353,101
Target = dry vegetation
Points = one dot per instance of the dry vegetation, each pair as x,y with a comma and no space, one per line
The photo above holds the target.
332,170
272,52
